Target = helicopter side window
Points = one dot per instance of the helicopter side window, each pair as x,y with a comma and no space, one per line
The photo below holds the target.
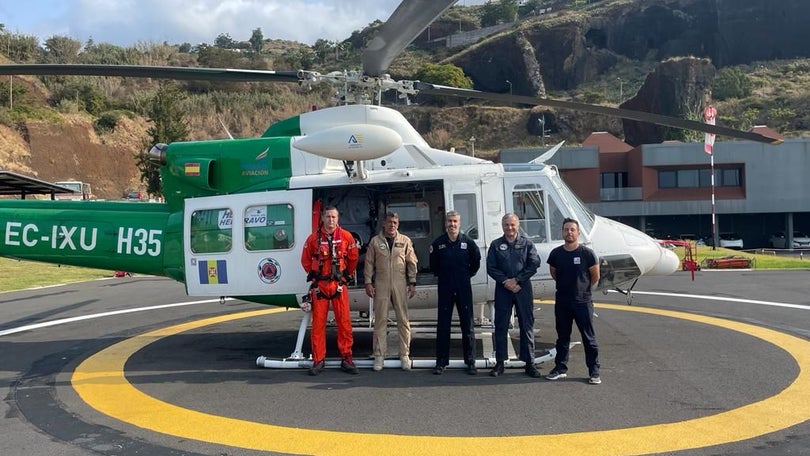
464,204
556,219
211,230
530,209
414,218
269,227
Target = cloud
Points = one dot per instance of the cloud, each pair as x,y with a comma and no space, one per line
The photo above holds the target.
126,22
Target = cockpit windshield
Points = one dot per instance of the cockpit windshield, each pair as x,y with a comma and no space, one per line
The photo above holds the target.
580,212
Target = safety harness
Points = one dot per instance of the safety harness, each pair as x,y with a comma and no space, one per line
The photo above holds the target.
329,286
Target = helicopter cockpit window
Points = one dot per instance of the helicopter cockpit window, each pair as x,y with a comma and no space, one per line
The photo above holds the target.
529,206
414,218
464,204
580,212
555,220
211,230
269,227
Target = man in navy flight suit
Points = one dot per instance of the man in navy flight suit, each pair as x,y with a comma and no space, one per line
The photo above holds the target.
512,260
454,258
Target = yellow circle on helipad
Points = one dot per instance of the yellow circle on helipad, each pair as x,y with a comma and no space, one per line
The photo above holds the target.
100,381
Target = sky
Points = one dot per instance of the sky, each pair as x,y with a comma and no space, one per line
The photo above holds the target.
129,22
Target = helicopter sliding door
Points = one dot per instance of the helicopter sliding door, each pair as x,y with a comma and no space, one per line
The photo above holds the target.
540,217
247,244
464,197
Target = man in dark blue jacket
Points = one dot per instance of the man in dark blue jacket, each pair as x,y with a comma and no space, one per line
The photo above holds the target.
512,260
454,258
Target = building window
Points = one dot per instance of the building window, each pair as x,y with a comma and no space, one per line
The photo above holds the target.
693,178
687,178
614,180
731,178
667,179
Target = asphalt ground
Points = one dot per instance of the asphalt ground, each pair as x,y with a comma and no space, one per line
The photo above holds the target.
712,366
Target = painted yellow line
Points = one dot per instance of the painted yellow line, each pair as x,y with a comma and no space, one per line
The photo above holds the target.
100,382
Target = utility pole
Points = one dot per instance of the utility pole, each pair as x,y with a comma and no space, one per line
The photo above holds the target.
621,90
472,146
510,87
542,122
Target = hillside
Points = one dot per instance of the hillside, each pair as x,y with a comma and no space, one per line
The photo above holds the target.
69,148
678,47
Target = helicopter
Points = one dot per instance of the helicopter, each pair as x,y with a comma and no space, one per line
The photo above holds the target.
237,211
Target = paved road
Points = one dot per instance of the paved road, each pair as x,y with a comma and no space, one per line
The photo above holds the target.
714,366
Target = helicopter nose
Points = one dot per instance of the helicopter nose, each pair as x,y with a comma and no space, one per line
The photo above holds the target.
647,255
666,264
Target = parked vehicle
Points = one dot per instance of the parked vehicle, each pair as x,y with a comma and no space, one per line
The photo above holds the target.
133,195
731,241
81,191
800,240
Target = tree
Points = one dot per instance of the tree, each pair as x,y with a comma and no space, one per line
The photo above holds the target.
168,125
224,41
62,49
448,74
496,13
322,48
21,48
217,57
256,41
82,92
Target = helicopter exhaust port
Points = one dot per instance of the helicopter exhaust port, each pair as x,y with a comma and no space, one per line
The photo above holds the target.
157,154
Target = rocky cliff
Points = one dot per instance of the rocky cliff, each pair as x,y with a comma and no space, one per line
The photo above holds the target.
573,47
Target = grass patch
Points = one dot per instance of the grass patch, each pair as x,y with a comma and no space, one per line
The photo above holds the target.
19,275
763,259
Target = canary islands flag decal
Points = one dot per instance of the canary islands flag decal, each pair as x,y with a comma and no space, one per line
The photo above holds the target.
213,271
192,169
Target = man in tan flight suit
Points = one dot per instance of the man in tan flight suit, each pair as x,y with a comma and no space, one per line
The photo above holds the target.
390,272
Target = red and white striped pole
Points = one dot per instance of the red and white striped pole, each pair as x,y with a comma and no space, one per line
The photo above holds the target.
709,115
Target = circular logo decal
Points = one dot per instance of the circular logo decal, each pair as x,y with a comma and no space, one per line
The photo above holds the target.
269,270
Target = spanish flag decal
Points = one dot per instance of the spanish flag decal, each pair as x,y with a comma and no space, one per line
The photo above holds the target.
213,271
192,169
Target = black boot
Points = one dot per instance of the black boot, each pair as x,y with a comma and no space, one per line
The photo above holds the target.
497,370
532,371
317,367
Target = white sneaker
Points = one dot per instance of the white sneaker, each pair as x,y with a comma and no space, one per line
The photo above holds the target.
595,380
406,363
378,364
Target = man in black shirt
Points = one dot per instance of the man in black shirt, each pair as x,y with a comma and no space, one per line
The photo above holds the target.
575,269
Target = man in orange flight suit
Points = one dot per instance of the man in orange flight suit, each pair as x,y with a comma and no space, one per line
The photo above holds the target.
330,258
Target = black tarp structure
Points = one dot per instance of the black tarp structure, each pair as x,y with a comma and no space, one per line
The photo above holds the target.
18,185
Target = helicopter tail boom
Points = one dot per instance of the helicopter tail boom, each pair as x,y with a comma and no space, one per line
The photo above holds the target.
98,234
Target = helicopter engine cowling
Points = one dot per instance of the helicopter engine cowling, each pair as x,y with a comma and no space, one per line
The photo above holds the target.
351,142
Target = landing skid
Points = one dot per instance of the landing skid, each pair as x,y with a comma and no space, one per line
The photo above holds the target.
297,360
628,293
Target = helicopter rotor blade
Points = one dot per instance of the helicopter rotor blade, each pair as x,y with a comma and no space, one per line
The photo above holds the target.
659,119
138,71
406,23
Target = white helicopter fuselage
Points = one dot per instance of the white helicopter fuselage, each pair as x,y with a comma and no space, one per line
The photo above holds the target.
367,171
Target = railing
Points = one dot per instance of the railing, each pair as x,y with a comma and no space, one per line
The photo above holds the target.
620,194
